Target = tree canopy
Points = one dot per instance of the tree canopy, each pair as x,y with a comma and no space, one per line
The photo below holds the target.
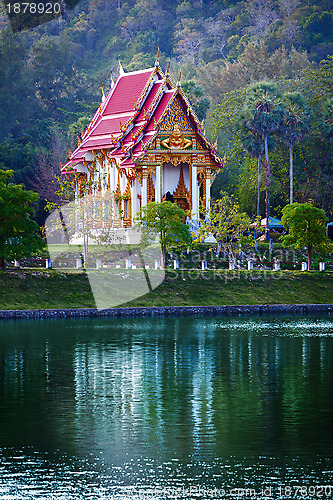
19,234
306,225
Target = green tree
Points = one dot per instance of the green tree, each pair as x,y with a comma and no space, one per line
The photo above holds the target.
19,234
297,120
306,227
166,220
254,145
227,223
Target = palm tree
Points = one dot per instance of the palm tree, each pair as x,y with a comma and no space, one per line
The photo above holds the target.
297,120
254,145
263,113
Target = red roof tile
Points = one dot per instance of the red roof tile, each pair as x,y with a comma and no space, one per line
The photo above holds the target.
110,124
127,89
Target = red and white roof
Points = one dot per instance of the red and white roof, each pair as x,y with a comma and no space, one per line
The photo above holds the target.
128,119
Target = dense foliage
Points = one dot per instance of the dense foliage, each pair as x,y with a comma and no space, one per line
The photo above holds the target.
306,226
51,79
301,144
19,236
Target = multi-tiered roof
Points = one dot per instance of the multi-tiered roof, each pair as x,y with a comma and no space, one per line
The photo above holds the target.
129,118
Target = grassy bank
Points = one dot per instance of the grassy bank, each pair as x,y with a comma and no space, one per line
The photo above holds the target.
48,289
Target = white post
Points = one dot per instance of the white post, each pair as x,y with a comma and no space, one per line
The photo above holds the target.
195,195
277,265
128,264
304,266
158,184
231,265
204,265
78,264
99,264
207,193
48,263
176,264
250,265
321,266
17,264
144,188
157,264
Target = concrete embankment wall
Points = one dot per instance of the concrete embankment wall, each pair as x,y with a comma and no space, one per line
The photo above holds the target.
167,311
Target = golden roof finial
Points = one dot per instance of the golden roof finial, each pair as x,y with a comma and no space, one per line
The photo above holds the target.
121,69
111,77
180,75
103,95
157,57
168,68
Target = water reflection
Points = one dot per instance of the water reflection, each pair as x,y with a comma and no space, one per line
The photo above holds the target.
210,400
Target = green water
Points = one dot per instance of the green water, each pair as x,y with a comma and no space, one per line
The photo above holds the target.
166,408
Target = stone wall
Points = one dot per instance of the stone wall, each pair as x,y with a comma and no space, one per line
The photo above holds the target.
167,311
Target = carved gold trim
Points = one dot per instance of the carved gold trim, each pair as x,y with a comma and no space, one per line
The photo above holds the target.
176,159
151,170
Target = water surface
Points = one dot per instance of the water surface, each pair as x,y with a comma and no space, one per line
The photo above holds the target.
166,408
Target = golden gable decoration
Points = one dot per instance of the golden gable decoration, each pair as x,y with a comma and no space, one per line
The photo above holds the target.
175,114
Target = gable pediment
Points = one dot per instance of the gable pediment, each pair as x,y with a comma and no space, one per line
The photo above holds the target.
176,115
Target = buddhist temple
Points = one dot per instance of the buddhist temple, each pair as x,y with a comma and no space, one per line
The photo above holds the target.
143,144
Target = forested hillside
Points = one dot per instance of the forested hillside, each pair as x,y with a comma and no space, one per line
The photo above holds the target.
51,80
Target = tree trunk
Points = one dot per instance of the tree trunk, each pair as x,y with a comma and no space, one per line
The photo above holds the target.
258,198
291,172
63,224
259,185
85,250
309,257
163,258
2,263
267,236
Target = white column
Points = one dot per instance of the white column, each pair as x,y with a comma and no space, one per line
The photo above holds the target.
158,185
135,190
195,195
115,177
207,192
144,188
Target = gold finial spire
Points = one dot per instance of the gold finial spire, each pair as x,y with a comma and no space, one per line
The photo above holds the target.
157,57
111,77
121,69
103,95
180,75
168,68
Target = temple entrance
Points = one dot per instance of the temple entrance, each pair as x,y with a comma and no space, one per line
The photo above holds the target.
176,182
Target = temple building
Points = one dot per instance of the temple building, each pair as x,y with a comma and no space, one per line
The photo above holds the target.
145,143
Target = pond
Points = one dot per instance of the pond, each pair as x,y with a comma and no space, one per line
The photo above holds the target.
162,408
